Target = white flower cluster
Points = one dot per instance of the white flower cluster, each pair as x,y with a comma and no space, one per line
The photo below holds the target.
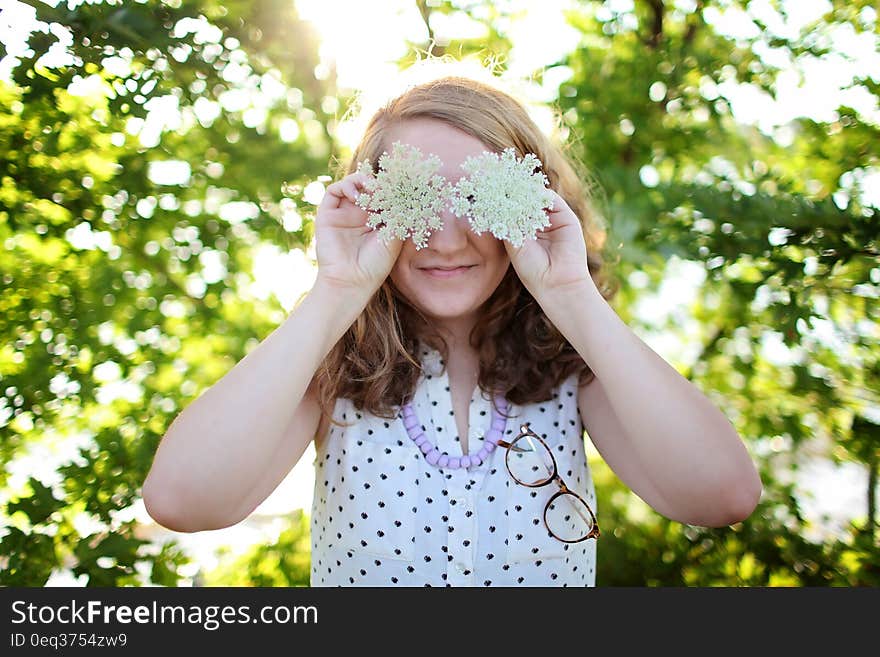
406,196
504,195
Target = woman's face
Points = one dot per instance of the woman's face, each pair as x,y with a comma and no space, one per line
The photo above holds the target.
450,298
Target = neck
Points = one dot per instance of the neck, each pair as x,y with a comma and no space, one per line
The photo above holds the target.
457,333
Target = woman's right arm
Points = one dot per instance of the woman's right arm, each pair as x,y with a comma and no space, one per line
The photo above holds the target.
229,449
228,443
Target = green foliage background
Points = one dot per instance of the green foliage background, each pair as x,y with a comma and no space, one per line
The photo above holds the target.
778,226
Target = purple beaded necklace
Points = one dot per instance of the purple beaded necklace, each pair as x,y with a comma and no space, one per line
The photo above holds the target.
433,455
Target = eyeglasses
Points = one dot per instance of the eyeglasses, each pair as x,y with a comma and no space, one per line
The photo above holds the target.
530,462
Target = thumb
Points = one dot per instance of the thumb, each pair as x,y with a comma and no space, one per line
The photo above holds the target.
512,250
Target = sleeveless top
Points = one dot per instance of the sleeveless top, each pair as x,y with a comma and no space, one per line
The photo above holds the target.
383,516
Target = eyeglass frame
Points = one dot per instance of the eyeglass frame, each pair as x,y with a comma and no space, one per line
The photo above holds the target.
525,430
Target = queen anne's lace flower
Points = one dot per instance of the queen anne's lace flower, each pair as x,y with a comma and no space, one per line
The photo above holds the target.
503,195
406,196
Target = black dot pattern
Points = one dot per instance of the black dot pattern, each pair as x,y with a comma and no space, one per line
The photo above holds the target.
383,516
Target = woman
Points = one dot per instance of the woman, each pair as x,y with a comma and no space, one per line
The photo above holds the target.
415,369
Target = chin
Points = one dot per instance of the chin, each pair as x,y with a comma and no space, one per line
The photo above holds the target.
450,310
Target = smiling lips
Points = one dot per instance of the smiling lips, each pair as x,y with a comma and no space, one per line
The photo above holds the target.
446,272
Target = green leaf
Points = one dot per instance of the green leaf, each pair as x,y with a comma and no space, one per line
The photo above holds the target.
39,506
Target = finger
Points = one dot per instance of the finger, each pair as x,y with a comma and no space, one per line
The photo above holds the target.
351,188
559,204
394,246
333,196
358,183
560,214
512,251
359,177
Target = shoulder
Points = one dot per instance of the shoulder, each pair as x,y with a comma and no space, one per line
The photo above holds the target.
565,394
323,429
348,418
340,412
562,402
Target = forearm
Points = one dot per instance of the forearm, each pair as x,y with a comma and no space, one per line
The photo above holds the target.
685,446
219,446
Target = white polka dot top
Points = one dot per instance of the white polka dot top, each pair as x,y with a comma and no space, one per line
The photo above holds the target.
383,516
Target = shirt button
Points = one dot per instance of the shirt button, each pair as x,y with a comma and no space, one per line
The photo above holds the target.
460,567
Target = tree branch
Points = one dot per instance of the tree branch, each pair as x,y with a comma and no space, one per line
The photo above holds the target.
425,13
692,24
657,23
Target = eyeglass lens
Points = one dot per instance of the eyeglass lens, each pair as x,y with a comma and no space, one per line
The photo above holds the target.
529,461
568,518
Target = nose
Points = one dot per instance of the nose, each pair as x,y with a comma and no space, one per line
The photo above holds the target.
453,236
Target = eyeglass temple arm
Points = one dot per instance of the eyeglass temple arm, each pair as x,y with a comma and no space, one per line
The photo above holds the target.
523,429
504,443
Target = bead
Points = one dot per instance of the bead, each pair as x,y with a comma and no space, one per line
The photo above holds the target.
435,457
493,436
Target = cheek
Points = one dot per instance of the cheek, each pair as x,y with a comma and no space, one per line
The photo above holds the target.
499,272
497,259
398,279
495,267
394,274
406,280
401,270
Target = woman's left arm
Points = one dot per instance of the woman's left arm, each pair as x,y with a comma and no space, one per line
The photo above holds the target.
657,431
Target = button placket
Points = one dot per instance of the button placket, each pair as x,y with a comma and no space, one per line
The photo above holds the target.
464,486
460,541
479,419
463,518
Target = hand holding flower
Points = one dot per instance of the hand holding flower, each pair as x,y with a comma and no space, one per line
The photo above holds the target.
350,255
556,260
